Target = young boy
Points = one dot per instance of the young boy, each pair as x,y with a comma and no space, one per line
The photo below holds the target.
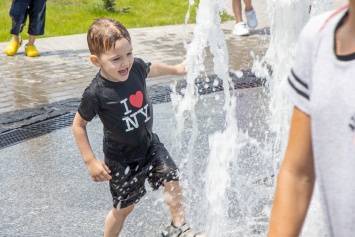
133,153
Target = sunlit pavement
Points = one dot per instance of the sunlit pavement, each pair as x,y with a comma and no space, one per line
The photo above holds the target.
45,187
63,70
46,190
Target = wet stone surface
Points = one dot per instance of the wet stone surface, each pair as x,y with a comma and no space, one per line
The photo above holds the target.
157,93
64,70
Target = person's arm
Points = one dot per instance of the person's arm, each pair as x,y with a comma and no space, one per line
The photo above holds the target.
162,69
295,180
97,169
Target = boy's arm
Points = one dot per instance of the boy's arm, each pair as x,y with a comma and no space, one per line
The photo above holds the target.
295,180
97,169
162,69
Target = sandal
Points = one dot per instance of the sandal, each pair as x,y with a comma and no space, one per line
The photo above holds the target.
31,51
182,231
12,47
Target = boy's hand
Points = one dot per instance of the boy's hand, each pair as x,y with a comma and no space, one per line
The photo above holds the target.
180,68
98,170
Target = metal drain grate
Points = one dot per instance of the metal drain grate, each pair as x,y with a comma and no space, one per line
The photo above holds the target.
157,99
161,95
34,130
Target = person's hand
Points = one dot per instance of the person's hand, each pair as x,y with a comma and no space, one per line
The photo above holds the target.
180,68
98,170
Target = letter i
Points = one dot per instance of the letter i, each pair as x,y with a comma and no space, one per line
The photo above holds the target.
124,102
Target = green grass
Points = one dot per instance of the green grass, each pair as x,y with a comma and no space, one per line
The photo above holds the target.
67,17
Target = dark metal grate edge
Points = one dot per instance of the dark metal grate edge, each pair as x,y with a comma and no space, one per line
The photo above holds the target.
18,135
37,129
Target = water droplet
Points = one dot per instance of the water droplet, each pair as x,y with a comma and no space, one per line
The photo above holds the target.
239,74
215,83
127,170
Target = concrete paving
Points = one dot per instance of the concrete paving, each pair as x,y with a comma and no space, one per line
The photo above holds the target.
63,70
47,191
45,187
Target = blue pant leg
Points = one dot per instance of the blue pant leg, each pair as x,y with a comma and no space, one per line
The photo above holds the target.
18,13
37,17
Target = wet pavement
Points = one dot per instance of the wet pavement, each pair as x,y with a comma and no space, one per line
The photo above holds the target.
45,187
63,70
47,191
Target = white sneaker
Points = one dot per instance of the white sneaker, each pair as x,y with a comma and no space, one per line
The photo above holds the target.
241,29
251,19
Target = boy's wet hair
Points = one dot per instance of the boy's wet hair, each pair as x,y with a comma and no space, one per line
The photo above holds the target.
104,33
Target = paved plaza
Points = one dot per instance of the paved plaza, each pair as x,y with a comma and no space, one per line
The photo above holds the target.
45,187
63,70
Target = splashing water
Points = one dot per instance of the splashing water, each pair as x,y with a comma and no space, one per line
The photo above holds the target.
240,173
208,33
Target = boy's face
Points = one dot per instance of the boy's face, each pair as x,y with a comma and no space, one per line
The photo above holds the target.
116,63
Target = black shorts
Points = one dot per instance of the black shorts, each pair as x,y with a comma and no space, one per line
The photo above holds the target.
127,185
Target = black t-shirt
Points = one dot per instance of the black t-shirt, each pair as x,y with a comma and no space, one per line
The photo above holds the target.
125,111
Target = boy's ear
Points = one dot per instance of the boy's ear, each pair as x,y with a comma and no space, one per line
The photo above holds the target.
95,60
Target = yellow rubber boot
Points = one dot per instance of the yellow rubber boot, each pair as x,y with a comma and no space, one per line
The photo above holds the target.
12,47
31,51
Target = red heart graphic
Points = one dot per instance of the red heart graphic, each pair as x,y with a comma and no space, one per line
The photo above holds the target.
137,99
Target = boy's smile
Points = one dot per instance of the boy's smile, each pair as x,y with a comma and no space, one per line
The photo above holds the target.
116,63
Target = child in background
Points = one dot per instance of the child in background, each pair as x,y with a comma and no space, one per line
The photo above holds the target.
20,9
133,153
240,27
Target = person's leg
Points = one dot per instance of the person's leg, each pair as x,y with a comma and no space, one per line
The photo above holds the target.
115,220
248,6
18,13
237,10
31,40
240,27
250,14
162,171
174,199
37,15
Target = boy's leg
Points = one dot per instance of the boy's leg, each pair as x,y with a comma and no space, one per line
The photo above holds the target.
174,199
162,171
115,220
